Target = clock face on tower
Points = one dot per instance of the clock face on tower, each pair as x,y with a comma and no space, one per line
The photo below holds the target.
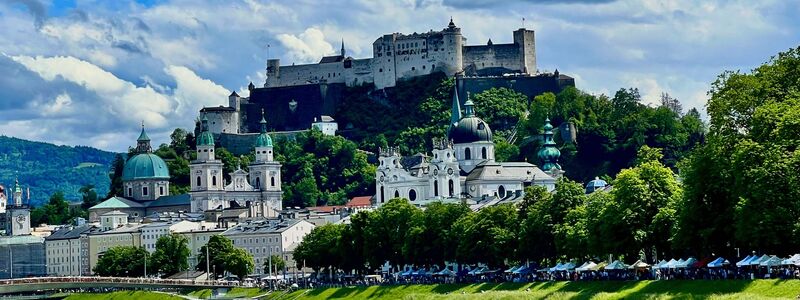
21,219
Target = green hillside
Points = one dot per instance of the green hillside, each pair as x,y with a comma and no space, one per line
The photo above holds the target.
48,168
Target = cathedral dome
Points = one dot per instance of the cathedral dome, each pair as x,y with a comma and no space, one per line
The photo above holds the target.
145,166
263,139
470,129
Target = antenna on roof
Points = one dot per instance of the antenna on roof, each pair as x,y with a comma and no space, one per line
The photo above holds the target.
523,22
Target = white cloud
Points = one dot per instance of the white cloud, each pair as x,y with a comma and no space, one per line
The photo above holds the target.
193,92
308,46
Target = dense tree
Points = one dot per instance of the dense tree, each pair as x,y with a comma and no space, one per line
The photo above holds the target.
238,262
122,261
171,255
274,264
430,240
115,176
501,108
488,236
387,231
216,248
55,212
89,196
320,248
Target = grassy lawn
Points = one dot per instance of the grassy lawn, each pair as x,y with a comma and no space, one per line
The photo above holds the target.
697,289
233,293
122,295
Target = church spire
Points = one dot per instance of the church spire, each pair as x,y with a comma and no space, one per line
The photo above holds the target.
455,110
342,51
468,110
143,142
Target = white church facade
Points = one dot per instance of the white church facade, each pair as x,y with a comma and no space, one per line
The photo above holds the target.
462,168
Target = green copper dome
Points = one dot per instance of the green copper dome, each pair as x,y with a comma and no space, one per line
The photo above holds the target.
205,138
549,153
145,166
263,139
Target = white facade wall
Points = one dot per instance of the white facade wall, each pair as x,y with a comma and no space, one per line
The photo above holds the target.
63,257
152,232
222,121
263,244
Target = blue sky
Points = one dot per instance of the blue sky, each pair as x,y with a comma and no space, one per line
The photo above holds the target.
87,72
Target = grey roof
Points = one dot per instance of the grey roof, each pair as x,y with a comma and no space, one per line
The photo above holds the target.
219,108
117,202
470,129
508,170
413,162
174,200
262,226
330,59
68,233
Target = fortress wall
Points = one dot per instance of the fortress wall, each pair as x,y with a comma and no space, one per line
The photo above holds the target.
222,121
359,72
496,57
310,73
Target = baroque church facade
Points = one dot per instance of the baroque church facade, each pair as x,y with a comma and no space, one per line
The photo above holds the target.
463,167
259,189
145,182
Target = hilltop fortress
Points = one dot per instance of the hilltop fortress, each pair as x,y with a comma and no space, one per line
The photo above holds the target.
400,56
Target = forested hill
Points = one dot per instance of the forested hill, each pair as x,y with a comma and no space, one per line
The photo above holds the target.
48,168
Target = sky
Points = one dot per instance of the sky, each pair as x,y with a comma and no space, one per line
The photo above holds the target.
89,72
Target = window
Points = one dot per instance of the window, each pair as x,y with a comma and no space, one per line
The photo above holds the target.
144,191
435,188
213,180
161,190
467,154
130,192
258,182
451,187
198,181
413,69
412,195
483,152
272,181
381,194
501,191
397,194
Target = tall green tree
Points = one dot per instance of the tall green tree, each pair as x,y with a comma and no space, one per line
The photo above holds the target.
502,108
488,236
216,247
171,255
122,261
320,248
239,262
430,240
117,167
275,263
89,196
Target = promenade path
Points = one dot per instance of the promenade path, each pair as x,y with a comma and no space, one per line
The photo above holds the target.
23,285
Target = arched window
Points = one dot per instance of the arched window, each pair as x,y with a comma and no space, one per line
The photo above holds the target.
272,181
382,198
198,181
397,194
130,192
435,188
161,190
451,187
213,180
467,155
483,152
144,191
501,191
412,195
258,182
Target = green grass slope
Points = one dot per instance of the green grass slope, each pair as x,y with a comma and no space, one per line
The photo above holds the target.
123,295
697,289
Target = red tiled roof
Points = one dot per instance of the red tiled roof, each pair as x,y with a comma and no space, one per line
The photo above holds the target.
361,201
324,209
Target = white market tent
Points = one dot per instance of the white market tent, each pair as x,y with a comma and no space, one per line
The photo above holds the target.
587,266
639,264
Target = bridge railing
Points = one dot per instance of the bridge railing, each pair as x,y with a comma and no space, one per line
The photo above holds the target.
123,280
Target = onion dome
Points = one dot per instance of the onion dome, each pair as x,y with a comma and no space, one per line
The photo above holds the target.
549,153
145,164
205,138
470,128
263,139
595,184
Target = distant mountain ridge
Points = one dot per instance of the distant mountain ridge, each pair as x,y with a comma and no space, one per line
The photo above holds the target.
47,168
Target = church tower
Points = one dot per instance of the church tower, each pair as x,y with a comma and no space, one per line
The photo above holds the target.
265,173
207,188
445,174
549,153
18,221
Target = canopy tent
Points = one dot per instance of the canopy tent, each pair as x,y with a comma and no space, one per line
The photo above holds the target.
718,263
616,265
566,267
671,264
758,261
524,270
600,266
587,266
639,264
744,261
793,260
478,271
772,261
555,268
660,264
688,263
445,272
512,269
